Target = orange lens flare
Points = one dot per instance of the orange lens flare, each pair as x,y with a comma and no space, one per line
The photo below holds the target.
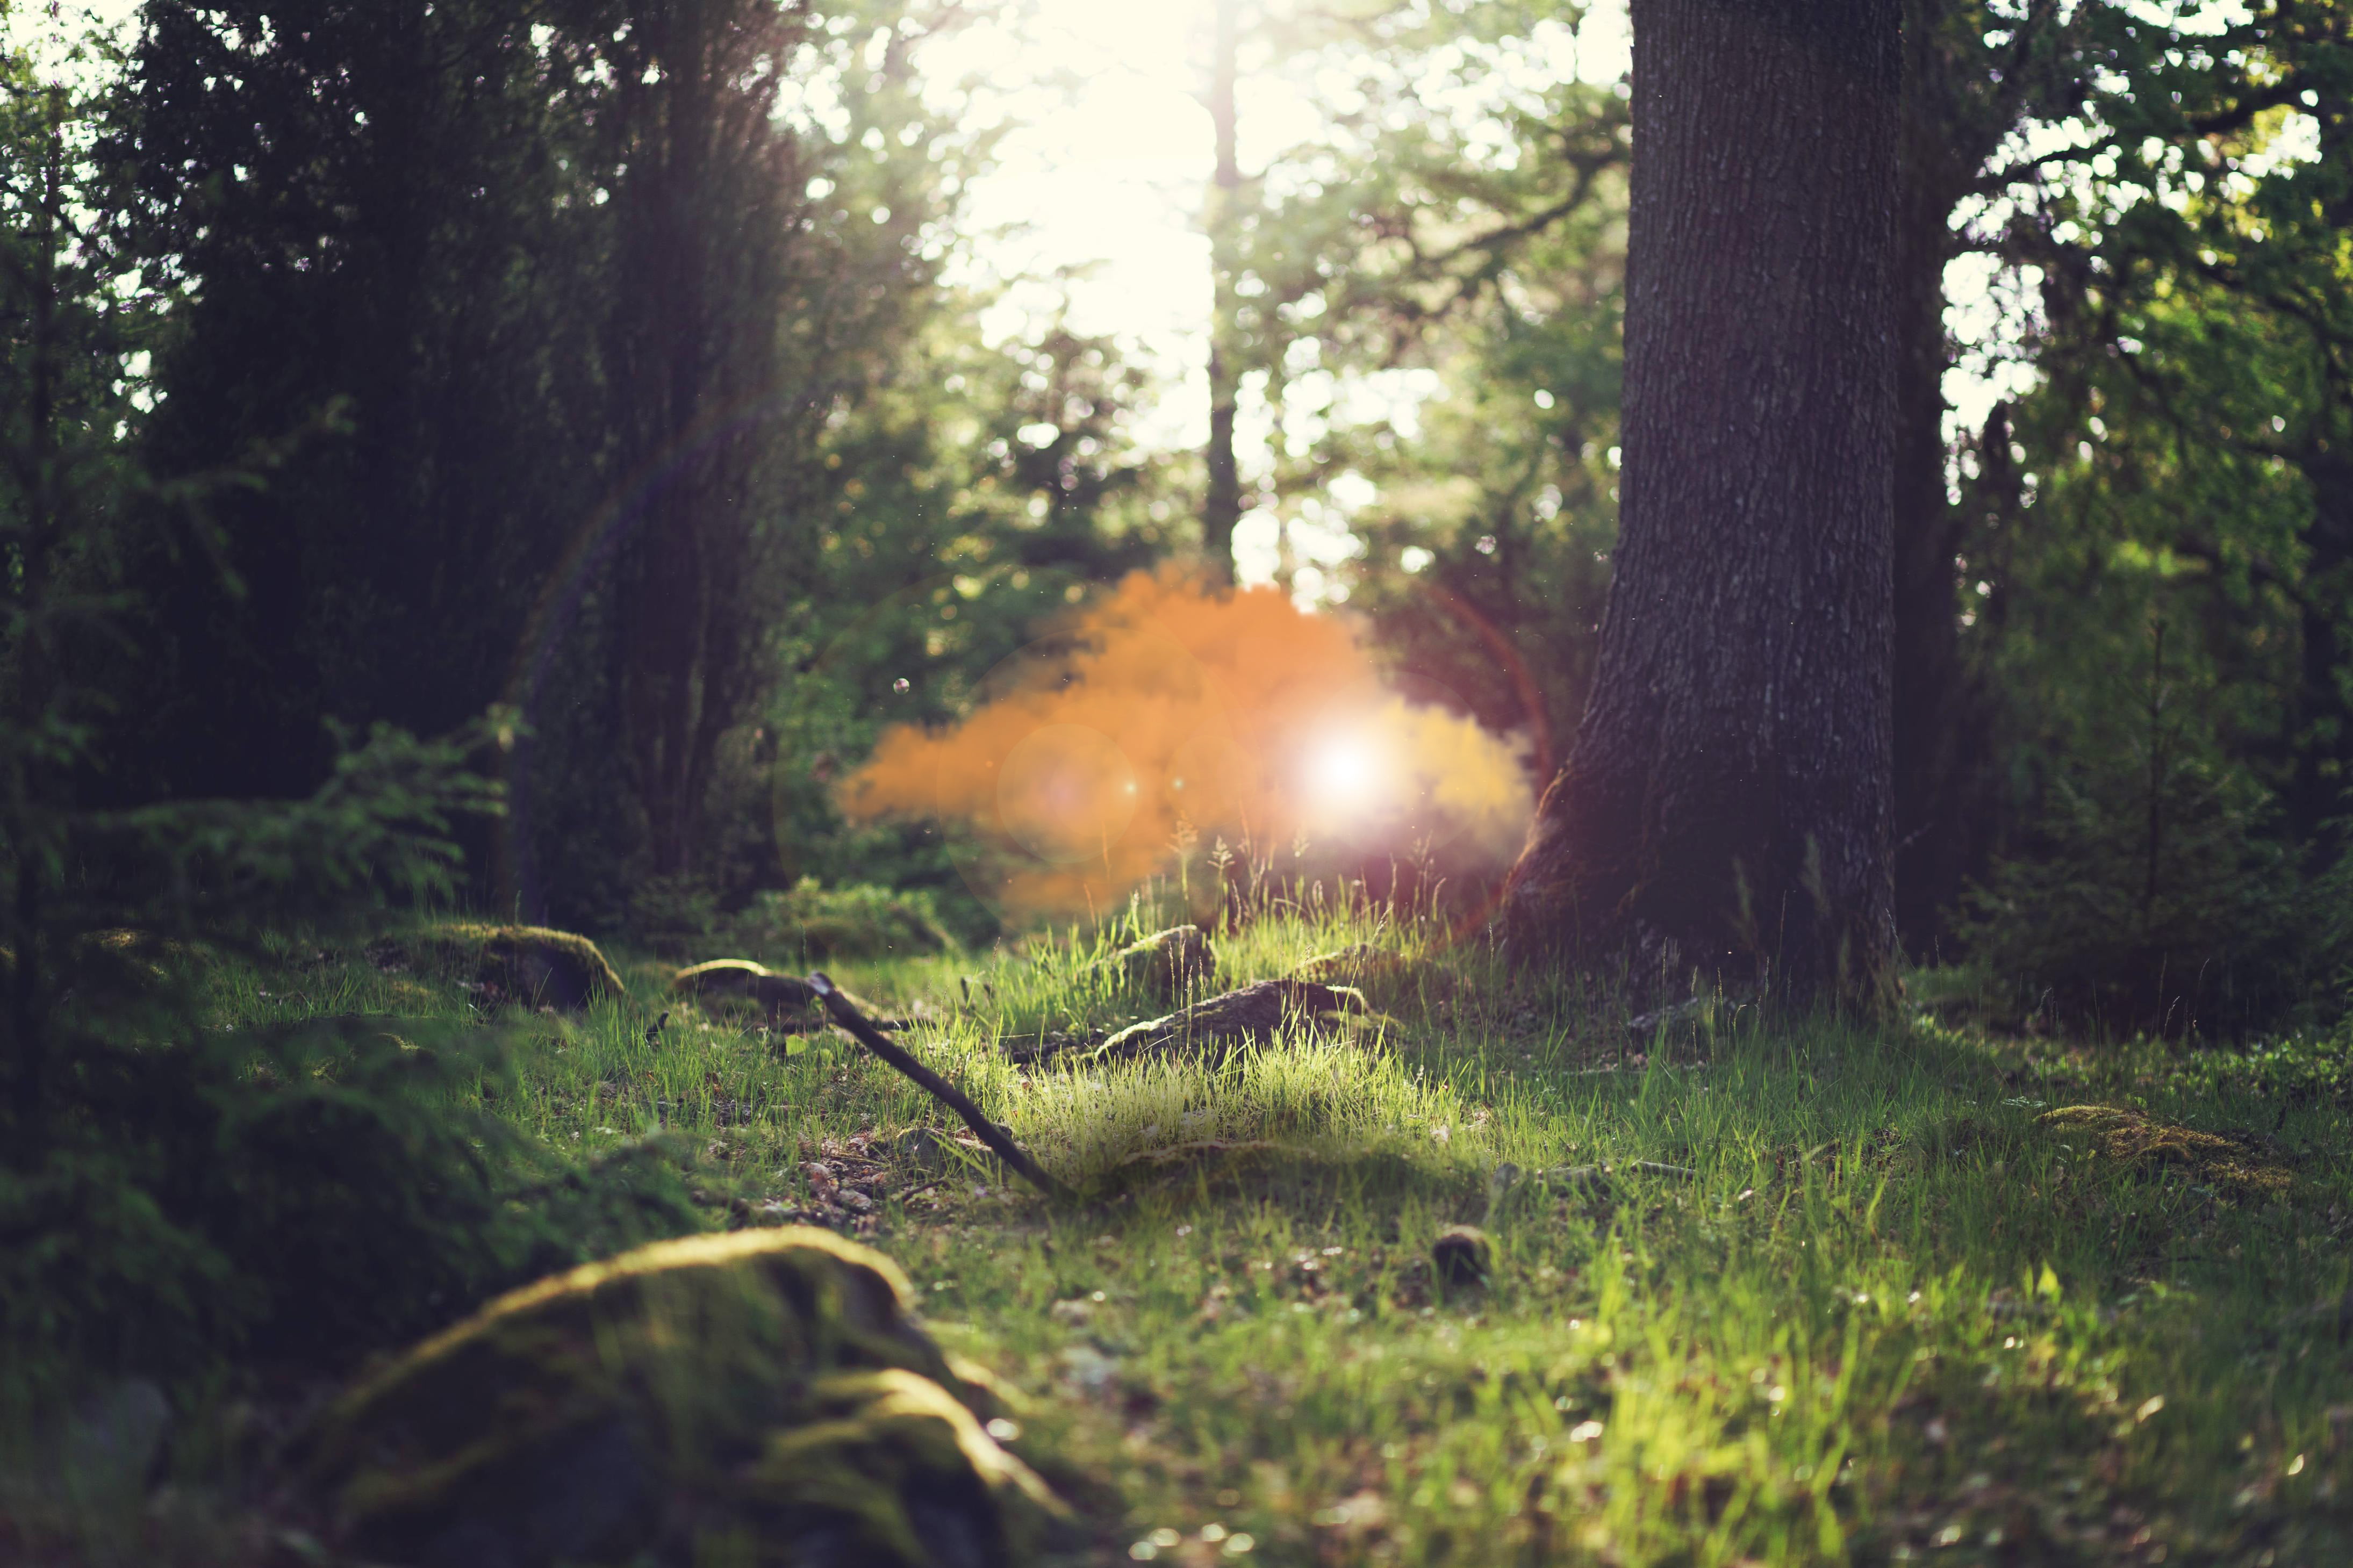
1164,711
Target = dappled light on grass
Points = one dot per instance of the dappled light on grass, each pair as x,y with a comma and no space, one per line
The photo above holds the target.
1165,717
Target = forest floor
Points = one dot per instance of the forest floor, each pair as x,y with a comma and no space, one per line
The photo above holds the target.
1886,1308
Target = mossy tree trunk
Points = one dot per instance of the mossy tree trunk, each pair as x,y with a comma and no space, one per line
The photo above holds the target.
1727,805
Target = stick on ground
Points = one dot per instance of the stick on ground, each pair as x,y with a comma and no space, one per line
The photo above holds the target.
846,1014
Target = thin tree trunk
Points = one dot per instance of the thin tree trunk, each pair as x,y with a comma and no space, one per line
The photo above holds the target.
1221,507
1727,807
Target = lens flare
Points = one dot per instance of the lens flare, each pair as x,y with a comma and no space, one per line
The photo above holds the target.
1163,716
1343,777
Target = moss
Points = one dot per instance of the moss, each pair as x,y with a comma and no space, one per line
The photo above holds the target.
2135,1138
648,1405
532,965
888,1471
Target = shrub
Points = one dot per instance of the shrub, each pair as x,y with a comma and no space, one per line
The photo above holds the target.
2201,924
811,923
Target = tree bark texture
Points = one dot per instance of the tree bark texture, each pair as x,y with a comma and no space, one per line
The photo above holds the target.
1727,805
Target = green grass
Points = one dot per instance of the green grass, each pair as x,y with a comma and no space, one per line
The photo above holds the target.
1889,1318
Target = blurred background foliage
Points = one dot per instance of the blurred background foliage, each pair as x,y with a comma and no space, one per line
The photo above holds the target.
618,362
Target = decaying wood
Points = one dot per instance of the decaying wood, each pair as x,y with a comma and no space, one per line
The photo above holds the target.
1168,962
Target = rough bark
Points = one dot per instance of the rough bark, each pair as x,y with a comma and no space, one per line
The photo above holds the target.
1727,807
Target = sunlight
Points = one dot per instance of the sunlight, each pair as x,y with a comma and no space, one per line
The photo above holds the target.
1343,775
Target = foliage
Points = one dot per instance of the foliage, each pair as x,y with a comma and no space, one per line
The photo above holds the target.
2156,528
809,923
179,1198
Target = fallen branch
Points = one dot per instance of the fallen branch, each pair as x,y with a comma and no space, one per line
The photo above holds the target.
846,1015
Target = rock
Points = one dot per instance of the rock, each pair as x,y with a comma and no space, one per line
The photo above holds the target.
767,1385
1462,1257
785,999
788,1003
1166,964
531,964
1217,1024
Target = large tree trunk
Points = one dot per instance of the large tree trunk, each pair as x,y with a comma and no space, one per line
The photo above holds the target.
1727,804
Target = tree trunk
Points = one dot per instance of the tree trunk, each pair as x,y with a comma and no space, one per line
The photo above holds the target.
1221,507
1727,807
1929,728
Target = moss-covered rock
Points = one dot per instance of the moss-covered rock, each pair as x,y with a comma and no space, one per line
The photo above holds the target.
531,964
782,998
1165,964
766,1393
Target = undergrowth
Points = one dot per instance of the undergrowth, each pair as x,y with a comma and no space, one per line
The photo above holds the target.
1870,1301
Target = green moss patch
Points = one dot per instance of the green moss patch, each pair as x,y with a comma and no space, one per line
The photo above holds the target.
2135,1138
768,1387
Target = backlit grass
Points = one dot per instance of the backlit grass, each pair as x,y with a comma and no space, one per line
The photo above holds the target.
1888,1317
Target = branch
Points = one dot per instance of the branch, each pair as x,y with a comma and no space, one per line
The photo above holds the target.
854,1023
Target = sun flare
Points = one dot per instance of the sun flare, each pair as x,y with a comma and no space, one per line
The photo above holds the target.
1167,715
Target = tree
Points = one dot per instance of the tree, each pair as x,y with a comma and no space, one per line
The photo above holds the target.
708,402
1727,803
1221,505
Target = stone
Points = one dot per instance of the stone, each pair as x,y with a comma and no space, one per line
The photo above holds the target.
769,1386
1387,978
785,1000
114,1440
534,965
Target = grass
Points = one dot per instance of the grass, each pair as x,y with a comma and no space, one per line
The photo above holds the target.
1892,1314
